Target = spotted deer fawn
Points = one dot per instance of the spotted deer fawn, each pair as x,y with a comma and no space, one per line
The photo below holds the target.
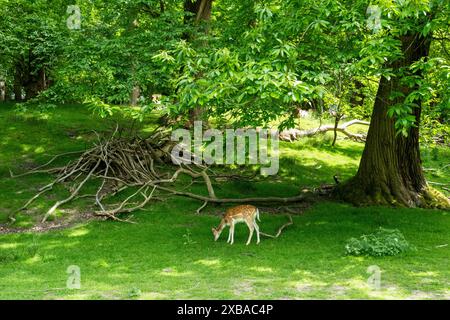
242,213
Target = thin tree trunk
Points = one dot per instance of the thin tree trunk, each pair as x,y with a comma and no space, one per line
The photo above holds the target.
42,80
2,91
336,125
390,171
135,94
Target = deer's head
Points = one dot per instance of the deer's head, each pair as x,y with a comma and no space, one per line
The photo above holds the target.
216,233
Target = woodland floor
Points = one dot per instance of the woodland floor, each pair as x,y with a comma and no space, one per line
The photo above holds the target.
170,253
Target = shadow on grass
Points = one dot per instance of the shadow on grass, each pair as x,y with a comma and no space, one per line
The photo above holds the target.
170,253
307,261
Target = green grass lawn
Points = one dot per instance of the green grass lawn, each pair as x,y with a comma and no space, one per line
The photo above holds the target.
170,252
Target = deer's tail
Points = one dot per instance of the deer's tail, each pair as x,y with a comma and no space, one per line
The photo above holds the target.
257,214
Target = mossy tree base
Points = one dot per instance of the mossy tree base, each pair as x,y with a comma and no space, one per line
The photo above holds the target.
356,192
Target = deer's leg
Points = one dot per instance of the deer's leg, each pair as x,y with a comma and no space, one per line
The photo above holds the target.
232,232
229,235
257,231
250,228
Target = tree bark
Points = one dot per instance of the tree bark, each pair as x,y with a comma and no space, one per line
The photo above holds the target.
35,83
201,12
135,94
27,79
200,9
335,129
390,171
2,91
17,84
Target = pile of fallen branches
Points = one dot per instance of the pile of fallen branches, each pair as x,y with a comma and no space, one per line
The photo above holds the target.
142,167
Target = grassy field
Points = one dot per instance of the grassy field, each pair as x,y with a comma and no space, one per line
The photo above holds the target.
170,252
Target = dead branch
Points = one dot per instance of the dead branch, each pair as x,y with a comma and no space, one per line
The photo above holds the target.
202,206
60,203
38,169
291,222
234,200
295,134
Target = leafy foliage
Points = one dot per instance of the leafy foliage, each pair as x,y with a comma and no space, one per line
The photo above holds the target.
384,242
252,63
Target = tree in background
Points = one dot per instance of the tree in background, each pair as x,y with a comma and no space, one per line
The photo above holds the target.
30,43
391,171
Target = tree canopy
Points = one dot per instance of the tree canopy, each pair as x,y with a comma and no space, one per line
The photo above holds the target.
242,63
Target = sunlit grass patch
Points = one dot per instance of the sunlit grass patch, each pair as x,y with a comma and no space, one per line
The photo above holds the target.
154,260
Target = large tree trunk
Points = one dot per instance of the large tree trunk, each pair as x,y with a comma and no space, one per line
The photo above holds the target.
35,84
390,171
28,81
201,12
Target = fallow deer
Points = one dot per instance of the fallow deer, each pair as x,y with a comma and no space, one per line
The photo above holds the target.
242,213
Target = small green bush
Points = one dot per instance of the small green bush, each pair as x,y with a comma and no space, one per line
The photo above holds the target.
384,242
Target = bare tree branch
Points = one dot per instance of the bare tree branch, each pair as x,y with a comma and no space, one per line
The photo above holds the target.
295,134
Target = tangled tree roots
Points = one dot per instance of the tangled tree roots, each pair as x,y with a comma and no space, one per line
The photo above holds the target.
141,165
